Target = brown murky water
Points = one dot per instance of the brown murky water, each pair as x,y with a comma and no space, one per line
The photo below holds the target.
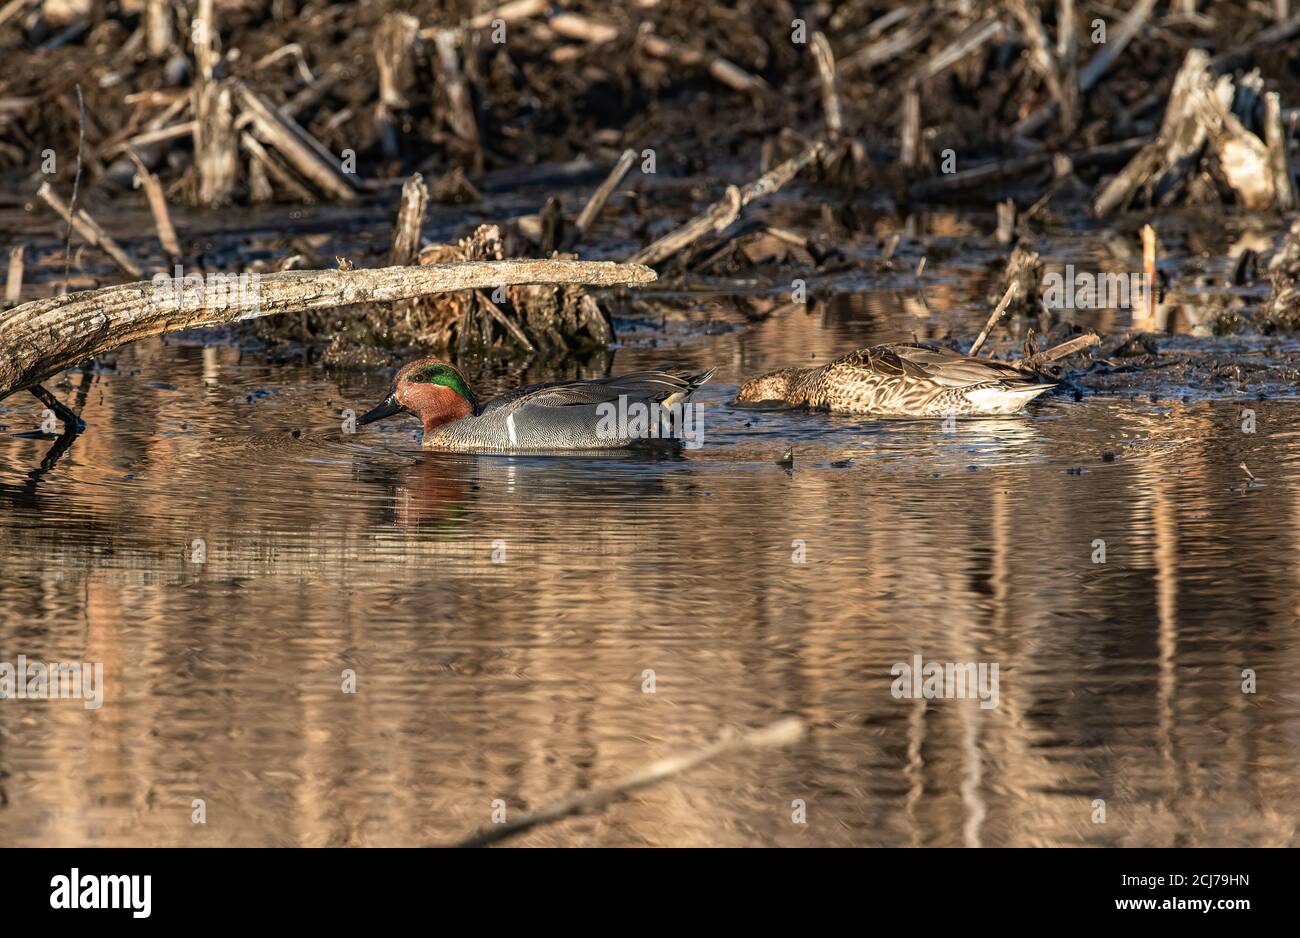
500,614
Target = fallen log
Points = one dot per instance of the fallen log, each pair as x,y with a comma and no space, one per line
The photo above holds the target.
42,338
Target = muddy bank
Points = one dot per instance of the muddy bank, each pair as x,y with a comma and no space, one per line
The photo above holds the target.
430,87
764,150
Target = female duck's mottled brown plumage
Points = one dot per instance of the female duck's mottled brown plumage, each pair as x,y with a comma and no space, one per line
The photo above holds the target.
901,380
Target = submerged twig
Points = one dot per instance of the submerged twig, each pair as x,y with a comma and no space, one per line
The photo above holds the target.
781,733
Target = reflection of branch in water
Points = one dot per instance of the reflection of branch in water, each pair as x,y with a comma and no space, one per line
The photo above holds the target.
781,733
27,491
55,453
72,427
71,422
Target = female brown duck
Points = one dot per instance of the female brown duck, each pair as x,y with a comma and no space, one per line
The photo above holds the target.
901,380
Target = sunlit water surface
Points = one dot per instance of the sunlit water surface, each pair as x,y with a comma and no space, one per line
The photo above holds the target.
502,615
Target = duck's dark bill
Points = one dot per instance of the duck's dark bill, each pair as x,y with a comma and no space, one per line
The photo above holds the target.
386,409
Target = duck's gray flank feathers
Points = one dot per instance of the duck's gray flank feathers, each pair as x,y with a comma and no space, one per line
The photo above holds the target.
561,416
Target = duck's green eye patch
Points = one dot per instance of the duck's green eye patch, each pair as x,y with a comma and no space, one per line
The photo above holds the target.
444,375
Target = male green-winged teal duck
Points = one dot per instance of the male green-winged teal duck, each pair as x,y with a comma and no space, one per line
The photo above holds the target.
567,415
902,380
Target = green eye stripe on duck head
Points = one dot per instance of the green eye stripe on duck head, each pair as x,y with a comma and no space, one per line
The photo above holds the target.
447,377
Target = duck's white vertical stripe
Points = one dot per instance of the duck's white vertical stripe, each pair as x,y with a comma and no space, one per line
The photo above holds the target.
510,428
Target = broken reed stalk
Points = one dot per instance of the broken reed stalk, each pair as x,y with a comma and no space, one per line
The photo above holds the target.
1041,56
205,35
216,152
514,12
14,282
259,183
970,40
76,184
1149,271
161,135
1013,289
158,27
722,70
41,338
404,250
461,118
721,214
602,194
825,59
405,247
89,229
1067,56
394,45
909,135
572,26
162,218
1275,137
551,227
1115,44
267,162
783,732
393,42
301,149
1006,230
216,147
887,48
1175,148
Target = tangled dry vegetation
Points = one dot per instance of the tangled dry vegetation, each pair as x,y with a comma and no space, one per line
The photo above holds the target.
1083,106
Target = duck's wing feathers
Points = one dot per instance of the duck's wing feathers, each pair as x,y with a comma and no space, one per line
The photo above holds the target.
648,386
948,368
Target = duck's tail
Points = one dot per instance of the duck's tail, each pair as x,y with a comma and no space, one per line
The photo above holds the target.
693,383
1003,398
